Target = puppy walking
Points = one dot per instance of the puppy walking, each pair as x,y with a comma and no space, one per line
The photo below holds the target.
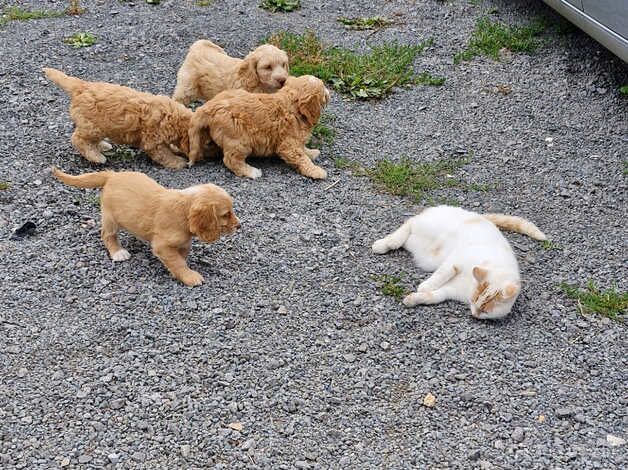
125,116
259,124
167,218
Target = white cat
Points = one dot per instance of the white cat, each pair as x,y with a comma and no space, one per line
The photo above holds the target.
471,259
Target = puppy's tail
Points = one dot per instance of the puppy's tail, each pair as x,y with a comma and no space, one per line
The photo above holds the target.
198,135
70,84
516,224
88,180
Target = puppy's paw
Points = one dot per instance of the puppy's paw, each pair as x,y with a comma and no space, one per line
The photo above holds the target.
416,298
192,278
254,173
96,157
316,173
121,255
104,146
312,153
380,247
177,163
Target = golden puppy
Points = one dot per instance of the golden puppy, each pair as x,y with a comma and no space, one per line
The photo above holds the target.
207,70
124,116
167,218
244,124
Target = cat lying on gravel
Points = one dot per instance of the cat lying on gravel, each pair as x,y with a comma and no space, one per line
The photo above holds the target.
167,218
471,259
101,110
243,124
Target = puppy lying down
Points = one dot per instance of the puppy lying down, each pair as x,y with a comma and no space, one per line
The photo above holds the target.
124,116
260,124
167,218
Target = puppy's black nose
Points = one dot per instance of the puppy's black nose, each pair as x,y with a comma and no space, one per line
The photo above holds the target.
281,80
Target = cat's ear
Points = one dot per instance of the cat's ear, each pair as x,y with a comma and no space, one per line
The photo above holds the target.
479,273
510,290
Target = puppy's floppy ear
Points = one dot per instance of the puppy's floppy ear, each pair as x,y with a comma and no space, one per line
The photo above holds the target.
247,72
309,106
203,221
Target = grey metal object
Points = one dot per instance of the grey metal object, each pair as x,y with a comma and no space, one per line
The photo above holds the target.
606,21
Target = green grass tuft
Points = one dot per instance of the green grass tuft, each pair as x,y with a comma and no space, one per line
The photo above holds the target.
549,245
4,185
389,285
204,3
623,90
280,5
609,303
16,13
363,23
362,76
121,153
426,79
79,40
409,178
489,37
323,133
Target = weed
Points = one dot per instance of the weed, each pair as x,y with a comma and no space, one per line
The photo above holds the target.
78,40
549,245
408,178
4,185
362,76
15,13
609,303
426,79
121,153
204,3
362,23
389,285
490,37
280,5
323,133
623,90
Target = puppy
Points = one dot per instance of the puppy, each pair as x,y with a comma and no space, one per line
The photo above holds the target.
100,110
167,218
244,124
207,70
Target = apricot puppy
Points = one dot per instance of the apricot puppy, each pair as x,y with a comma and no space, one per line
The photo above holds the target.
167,218
260,124
207,70
124,116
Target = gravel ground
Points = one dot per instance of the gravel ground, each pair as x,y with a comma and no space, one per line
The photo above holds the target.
106,365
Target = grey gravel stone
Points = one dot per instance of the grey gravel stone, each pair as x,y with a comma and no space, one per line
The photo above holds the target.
565,412
518,435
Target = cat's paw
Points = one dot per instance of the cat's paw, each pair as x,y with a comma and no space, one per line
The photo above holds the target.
380,247
417,298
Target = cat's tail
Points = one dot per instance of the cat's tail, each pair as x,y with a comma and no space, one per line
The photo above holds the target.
70,84
393,241
513,223
86,180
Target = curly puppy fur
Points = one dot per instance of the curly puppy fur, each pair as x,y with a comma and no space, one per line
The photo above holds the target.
244,124
100,110
207,70
167,218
